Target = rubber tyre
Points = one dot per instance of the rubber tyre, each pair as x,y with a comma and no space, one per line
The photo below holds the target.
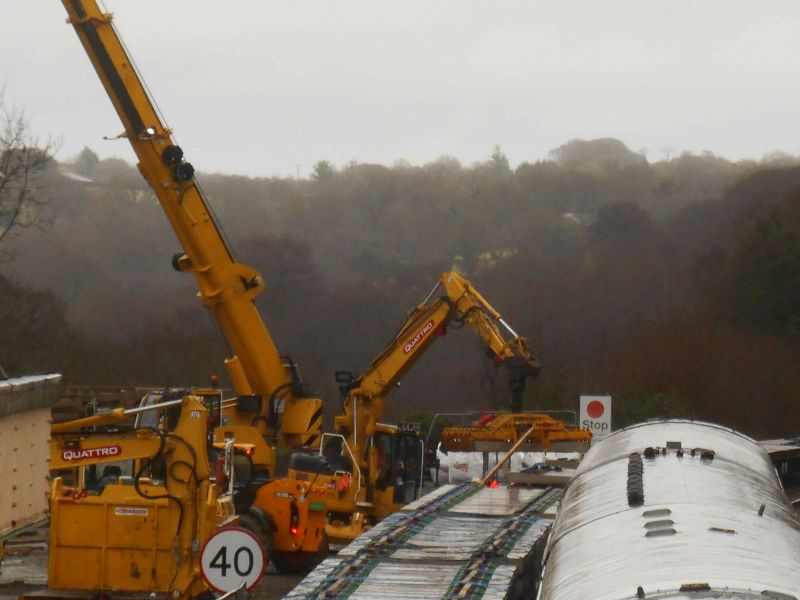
263,535
300,562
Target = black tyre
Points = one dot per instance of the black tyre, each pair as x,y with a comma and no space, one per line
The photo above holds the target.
263,534
300,562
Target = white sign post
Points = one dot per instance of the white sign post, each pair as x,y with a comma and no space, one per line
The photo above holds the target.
230,557
595,415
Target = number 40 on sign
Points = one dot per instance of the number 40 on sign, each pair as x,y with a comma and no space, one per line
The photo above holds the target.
231,557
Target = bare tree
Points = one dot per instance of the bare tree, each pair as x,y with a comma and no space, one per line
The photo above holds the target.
22,159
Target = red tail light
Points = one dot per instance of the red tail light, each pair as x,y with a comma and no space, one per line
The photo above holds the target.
294,519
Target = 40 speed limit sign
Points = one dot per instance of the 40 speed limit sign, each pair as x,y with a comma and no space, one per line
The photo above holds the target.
232,556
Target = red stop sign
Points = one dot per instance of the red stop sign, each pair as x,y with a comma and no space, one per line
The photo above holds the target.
595,409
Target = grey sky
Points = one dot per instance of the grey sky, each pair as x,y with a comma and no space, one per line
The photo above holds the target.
256,87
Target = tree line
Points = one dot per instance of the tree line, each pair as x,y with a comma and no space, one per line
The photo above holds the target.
671,285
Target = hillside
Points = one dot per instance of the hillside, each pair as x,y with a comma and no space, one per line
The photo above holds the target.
632,278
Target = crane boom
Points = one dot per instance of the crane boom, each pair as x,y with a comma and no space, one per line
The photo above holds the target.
226,287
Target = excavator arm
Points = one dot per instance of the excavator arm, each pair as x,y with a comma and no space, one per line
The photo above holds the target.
457,304
226,287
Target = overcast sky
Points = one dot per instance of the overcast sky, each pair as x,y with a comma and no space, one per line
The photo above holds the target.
258,87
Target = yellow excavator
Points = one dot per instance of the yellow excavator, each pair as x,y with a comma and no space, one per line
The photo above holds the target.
371,469
139,527
272,410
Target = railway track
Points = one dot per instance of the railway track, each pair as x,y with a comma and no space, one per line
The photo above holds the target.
461,541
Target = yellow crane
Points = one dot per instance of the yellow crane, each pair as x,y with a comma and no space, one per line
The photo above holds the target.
267,386
271,402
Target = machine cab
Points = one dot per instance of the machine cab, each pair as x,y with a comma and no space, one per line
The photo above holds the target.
398,456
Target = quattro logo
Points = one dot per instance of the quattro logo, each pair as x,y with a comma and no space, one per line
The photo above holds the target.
84,453
417,338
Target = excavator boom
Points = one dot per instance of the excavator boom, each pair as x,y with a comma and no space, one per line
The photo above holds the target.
459,303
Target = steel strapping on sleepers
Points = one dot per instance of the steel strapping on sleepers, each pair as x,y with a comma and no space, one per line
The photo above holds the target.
404,556
350,572
474,576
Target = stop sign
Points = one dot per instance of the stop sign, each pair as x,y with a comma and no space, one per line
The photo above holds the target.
595,415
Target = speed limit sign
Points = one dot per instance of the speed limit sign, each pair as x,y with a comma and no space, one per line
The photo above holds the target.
230,557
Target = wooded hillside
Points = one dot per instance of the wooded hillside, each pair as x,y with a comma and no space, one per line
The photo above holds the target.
674,285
